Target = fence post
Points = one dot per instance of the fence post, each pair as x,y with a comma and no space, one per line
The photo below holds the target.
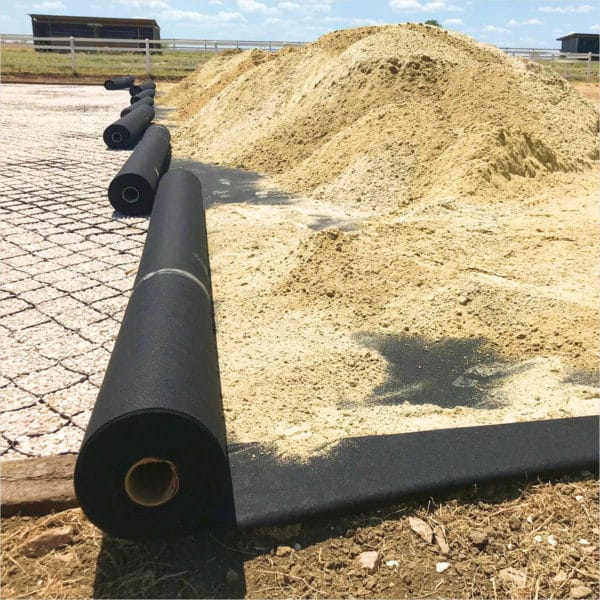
270,49
589,67
147,56
72,49
173,44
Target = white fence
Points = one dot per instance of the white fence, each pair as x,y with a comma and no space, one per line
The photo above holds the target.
570,64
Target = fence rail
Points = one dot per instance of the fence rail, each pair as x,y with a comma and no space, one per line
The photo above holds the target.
567,62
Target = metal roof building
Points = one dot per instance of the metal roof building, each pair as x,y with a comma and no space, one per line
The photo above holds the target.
92,27
580,42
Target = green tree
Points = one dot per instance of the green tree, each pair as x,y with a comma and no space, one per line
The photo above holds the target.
433,22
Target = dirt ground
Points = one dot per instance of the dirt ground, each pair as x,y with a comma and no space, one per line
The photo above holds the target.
504,541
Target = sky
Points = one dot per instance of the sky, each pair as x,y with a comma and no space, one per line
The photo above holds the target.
506,23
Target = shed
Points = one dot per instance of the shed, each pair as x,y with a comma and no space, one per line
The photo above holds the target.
580,43
92,27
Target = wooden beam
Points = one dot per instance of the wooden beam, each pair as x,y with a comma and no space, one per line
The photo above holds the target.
37,486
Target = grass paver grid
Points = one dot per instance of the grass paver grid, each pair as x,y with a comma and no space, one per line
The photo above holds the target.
67,262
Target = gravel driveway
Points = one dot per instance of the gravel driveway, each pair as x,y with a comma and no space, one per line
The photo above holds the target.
67,262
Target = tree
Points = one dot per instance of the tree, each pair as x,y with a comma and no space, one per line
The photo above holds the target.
434,22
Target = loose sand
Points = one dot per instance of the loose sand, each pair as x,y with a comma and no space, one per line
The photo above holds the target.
438,265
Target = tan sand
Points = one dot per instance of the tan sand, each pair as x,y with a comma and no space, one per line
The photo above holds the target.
467,183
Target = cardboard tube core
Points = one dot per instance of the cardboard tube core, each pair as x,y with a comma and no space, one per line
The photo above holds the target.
130,194
152,482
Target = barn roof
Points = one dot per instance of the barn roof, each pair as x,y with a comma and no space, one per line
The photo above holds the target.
100,20
579,35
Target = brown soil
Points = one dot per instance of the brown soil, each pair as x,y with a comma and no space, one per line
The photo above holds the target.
591,91
548,533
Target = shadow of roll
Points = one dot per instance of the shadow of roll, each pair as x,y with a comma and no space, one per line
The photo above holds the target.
133,189
148,84
153,461
119,83
144,94
148,101
125,133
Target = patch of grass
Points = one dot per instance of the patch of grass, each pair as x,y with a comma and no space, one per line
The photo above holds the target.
18,60
575,70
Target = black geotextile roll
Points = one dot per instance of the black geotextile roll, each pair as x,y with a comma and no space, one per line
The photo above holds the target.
119,83
141,95
132,190
153,461
148,101
125,133
148,84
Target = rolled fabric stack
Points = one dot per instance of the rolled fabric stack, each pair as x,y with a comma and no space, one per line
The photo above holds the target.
148,101
148,84
119,83
143,94
133,189
127,131
154,461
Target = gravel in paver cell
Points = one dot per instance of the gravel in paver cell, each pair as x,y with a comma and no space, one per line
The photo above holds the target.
34,420
23,260
9,306
74,399
41,294
24,285
24,319
81,419
66,346
55,252
70,313
101,331
14,398
89,362
49,380
75,284
21,361
98,292
66,439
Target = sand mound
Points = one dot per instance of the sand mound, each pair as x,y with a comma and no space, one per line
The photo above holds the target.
401,111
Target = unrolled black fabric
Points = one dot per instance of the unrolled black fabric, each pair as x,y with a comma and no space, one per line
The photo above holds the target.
144,94
119,83
148,101
132,190
160,398
125,133
373,471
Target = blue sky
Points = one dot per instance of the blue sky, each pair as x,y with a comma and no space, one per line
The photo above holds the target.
529,23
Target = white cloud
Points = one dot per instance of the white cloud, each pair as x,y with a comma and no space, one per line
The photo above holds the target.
494,29
252,6
418,6
515,23
453,22
151,4
584,8
595,27
185,16
49,5
304,6
215,2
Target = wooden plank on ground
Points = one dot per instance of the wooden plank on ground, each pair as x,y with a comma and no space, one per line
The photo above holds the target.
37,486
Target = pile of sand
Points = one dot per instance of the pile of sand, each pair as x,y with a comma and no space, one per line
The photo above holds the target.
387,115
456,281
